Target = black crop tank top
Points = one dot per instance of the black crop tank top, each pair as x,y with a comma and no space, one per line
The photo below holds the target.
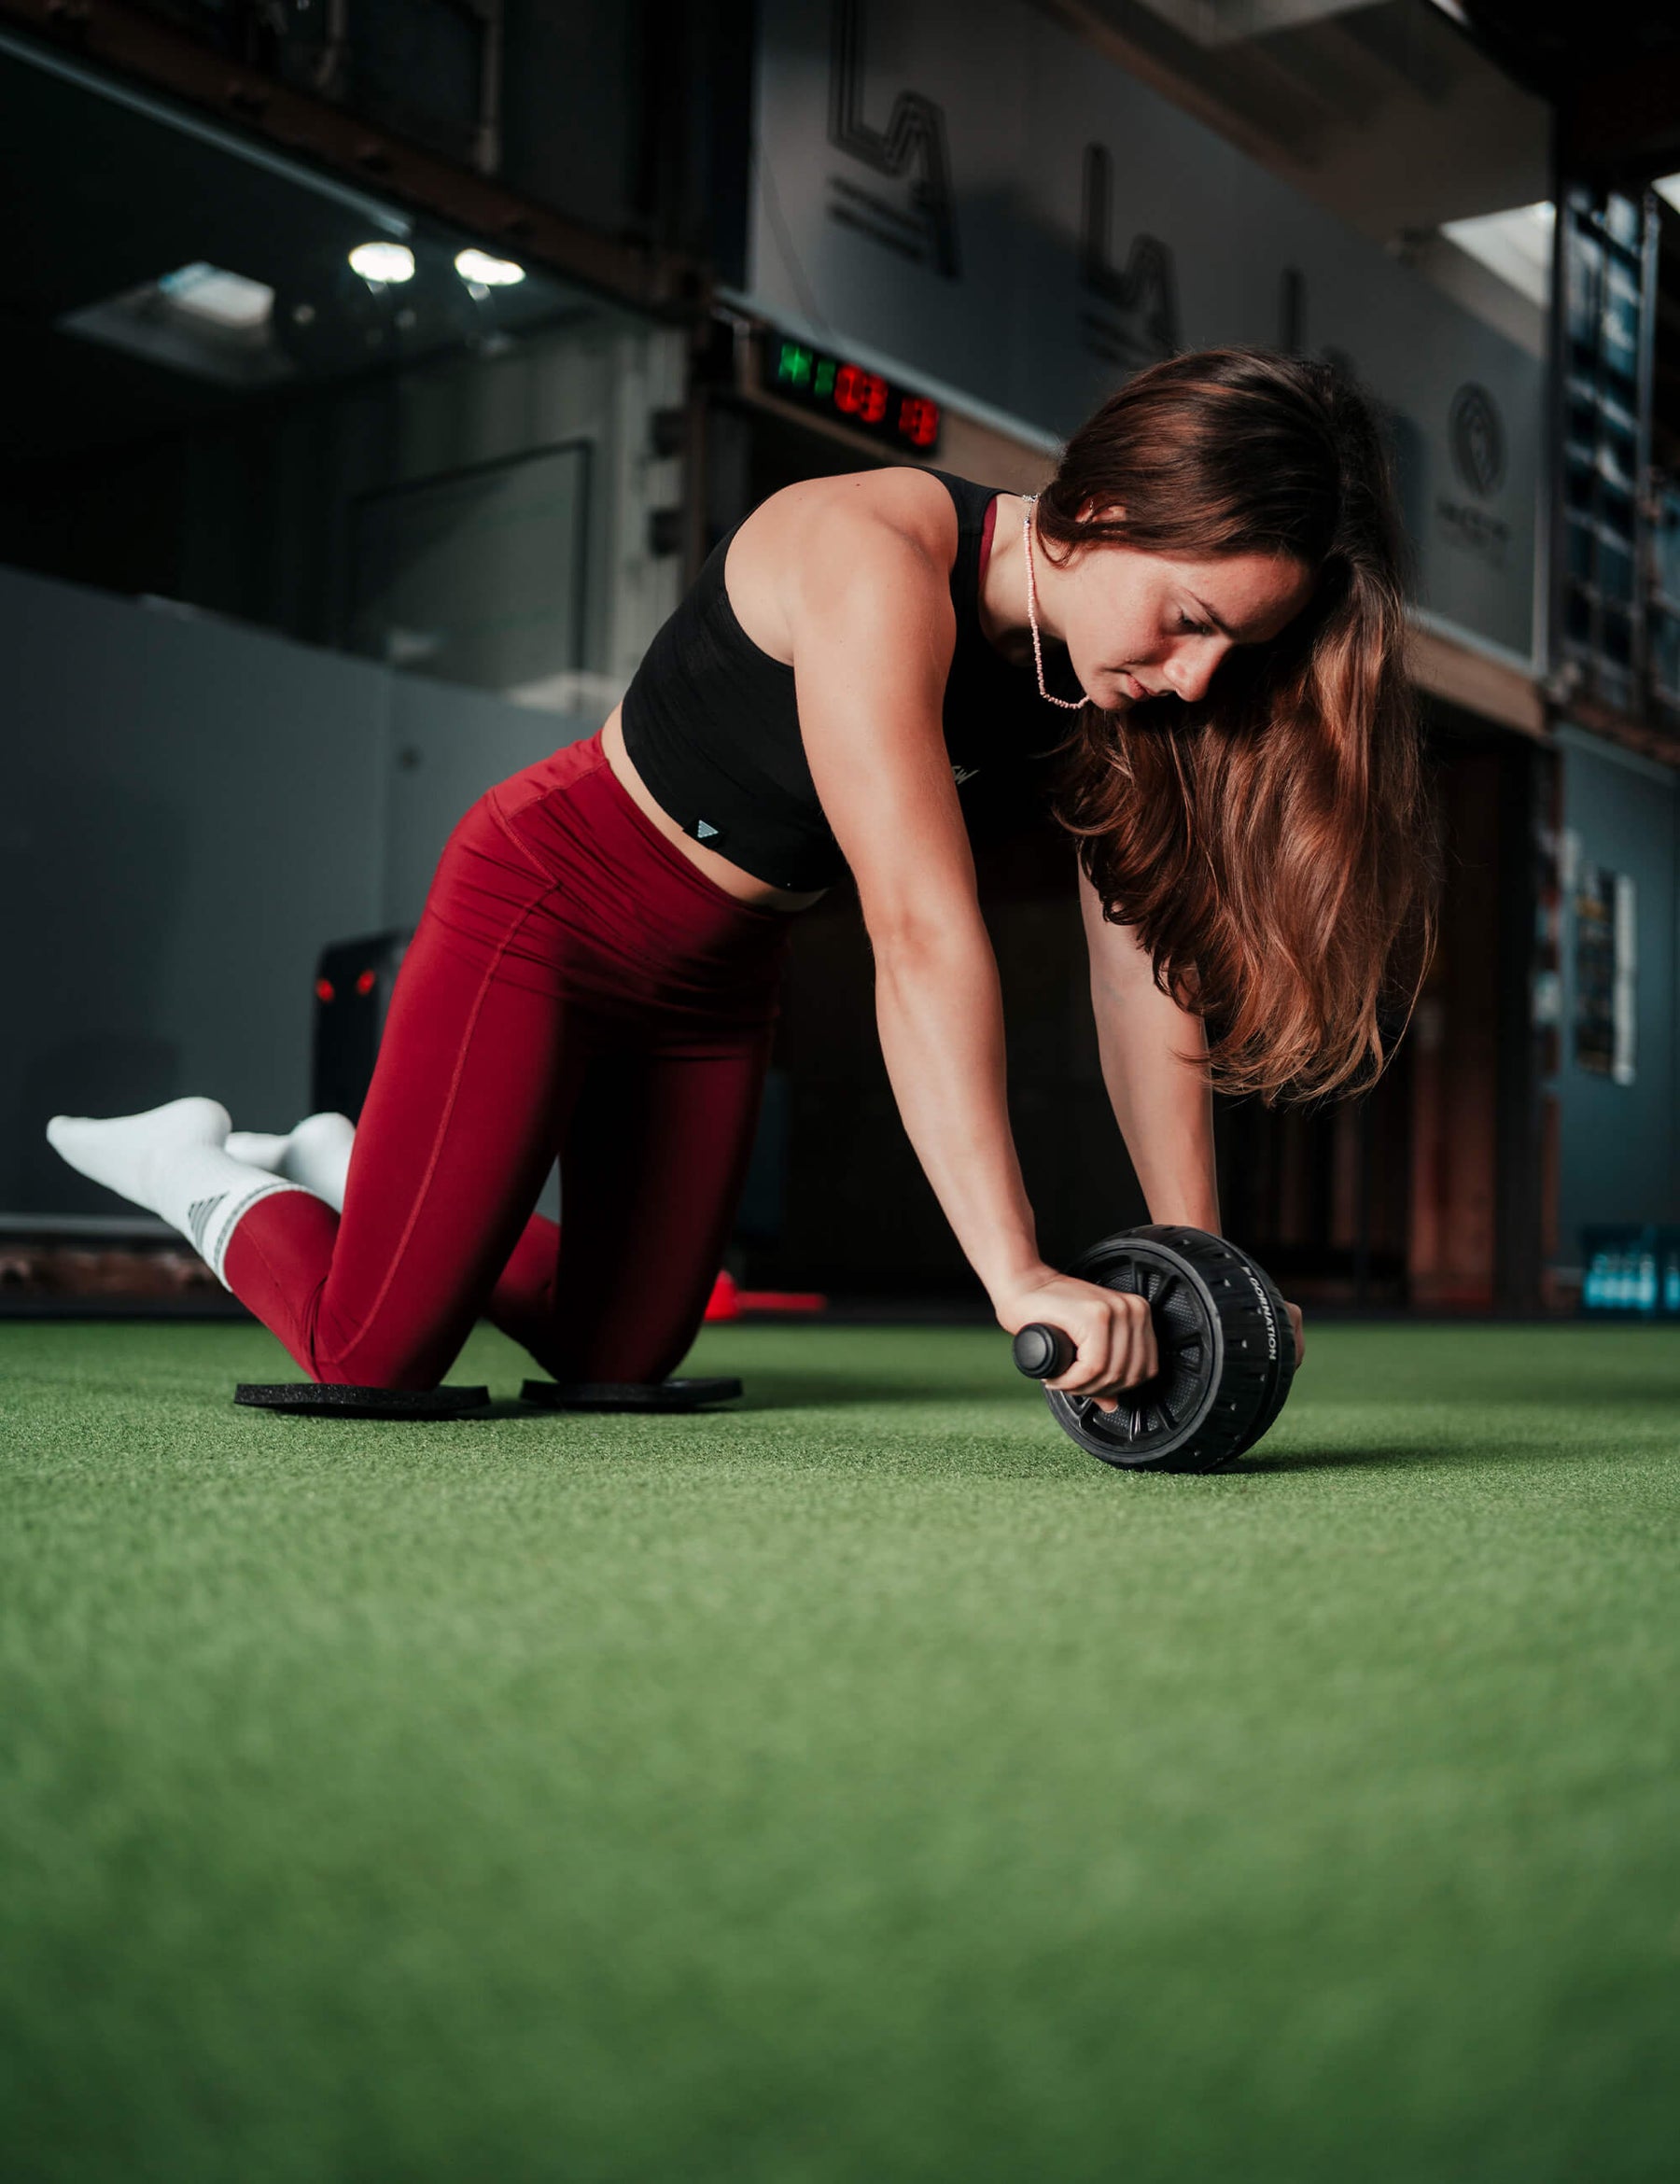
711,725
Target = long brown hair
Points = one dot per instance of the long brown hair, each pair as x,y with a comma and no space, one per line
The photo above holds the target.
1270,844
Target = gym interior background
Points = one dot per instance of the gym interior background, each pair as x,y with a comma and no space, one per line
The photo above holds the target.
859,1782
381,373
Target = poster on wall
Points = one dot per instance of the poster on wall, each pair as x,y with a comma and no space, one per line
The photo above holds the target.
1606,973
977,196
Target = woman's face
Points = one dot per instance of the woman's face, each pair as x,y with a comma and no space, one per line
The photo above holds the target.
1139,625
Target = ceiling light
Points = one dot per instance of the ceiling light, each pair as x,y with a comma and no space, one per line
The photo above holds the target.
223,300
383,262
480,270
198,319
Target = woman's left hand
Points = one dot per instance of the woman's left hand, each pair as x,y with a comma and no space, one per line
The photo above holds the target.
1294,1321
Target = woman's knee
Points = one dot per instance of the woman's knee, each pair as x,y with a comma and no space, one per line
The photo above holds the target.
384,1356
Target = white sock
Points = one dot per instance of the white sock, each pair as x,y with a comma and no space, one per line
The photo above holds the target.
265,1149
172,1162
316,1153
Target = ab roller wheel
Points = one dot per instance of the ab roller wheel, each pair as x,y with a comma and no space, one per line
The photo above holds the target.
1227,1350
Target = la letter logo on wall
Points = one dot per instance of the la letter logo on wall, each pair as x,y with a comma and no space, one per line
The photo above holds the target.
913,146
1140,323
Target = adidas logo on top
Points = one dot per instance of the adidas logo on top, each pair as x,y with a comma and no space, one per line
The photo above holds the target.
703,831
198,1217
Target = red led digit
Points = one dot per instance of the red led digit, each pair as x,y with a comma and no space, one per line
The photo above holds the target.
848,389
873,406
918,421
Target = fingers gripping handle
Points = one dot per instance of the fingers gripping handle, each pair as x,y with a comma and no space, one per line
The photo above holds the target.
1043,1353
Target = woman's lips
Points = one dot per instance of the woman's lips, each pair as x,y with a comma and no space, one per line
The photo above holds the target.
1131,686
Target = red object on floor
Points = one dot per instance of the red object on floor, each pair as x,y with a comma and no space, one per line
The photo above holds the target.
728,1301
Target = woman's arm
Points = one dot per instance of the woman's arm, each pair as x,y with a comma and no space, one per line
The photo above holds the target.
872,633
1155,1065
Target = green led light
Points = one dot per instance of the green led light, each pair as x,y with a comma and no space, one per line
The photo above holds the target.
794,364
822,383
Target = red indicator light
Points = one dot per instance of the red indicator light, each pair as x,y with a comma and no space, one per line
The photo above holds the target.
324,989
366,982
860,394
918,420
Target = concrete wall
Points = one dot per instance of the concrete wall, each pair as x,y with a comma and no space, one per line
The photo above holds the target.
1620,1151
188,811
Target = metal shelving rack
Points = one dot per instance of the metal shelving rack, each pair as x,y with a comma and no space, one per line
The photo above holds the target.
1606,293
1662,635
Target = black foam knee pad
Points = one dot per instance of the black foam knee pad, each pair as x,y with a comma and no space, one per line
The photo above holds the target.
628,1395
317,1399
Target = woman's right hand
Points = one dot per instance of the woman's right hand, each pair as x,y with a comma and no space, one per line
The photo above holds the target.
1110,1331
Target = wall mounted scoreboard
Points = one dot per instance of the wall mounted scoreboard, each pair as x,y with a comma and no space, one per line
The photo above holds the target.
848,394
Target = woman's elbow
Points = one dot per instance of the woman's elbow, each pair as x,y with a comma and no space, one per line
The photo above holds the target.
913,936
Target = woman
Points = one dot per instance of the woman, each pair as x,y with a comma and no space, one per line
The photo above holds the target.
1207,593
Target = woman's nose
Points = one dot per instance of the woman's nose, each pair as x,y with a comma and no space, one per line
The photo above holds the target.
1191,669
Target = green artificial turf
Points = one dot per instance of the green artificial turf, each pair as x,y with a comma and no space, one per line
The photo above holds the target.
864,1785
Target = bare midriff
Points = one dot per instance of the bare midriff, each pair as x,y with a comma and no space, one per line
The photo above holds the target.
746,887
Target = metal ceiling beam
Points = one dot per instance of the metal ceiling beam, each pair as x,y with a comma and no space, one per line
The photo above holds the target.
310,134
1224,22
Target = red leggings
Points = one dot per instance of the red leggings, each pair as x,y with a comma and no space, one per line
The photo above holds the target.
576,989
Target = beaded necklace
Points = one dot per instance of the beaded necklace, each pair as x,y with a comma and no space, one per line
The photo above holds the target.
1067,705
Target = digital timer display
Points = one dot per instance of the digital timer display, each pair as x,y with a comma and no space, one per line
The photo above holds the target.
857,397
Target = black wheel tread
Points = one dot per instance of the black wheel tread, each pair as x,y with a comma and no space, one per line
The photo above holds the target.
1258,1350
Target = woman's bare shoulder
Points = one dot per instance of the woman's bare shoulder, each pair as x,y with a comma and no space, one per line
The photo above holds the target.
900,498
820,528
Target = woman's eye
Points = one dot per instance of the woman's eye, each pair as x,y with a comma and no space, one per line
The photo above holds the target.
1194,628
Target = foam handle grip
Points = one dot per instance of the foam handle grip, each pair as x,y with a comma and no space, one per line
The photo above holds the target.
1043,1353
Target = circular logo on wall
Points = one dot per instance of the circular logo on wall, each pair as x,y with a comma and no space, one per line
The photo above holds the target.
1477,435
